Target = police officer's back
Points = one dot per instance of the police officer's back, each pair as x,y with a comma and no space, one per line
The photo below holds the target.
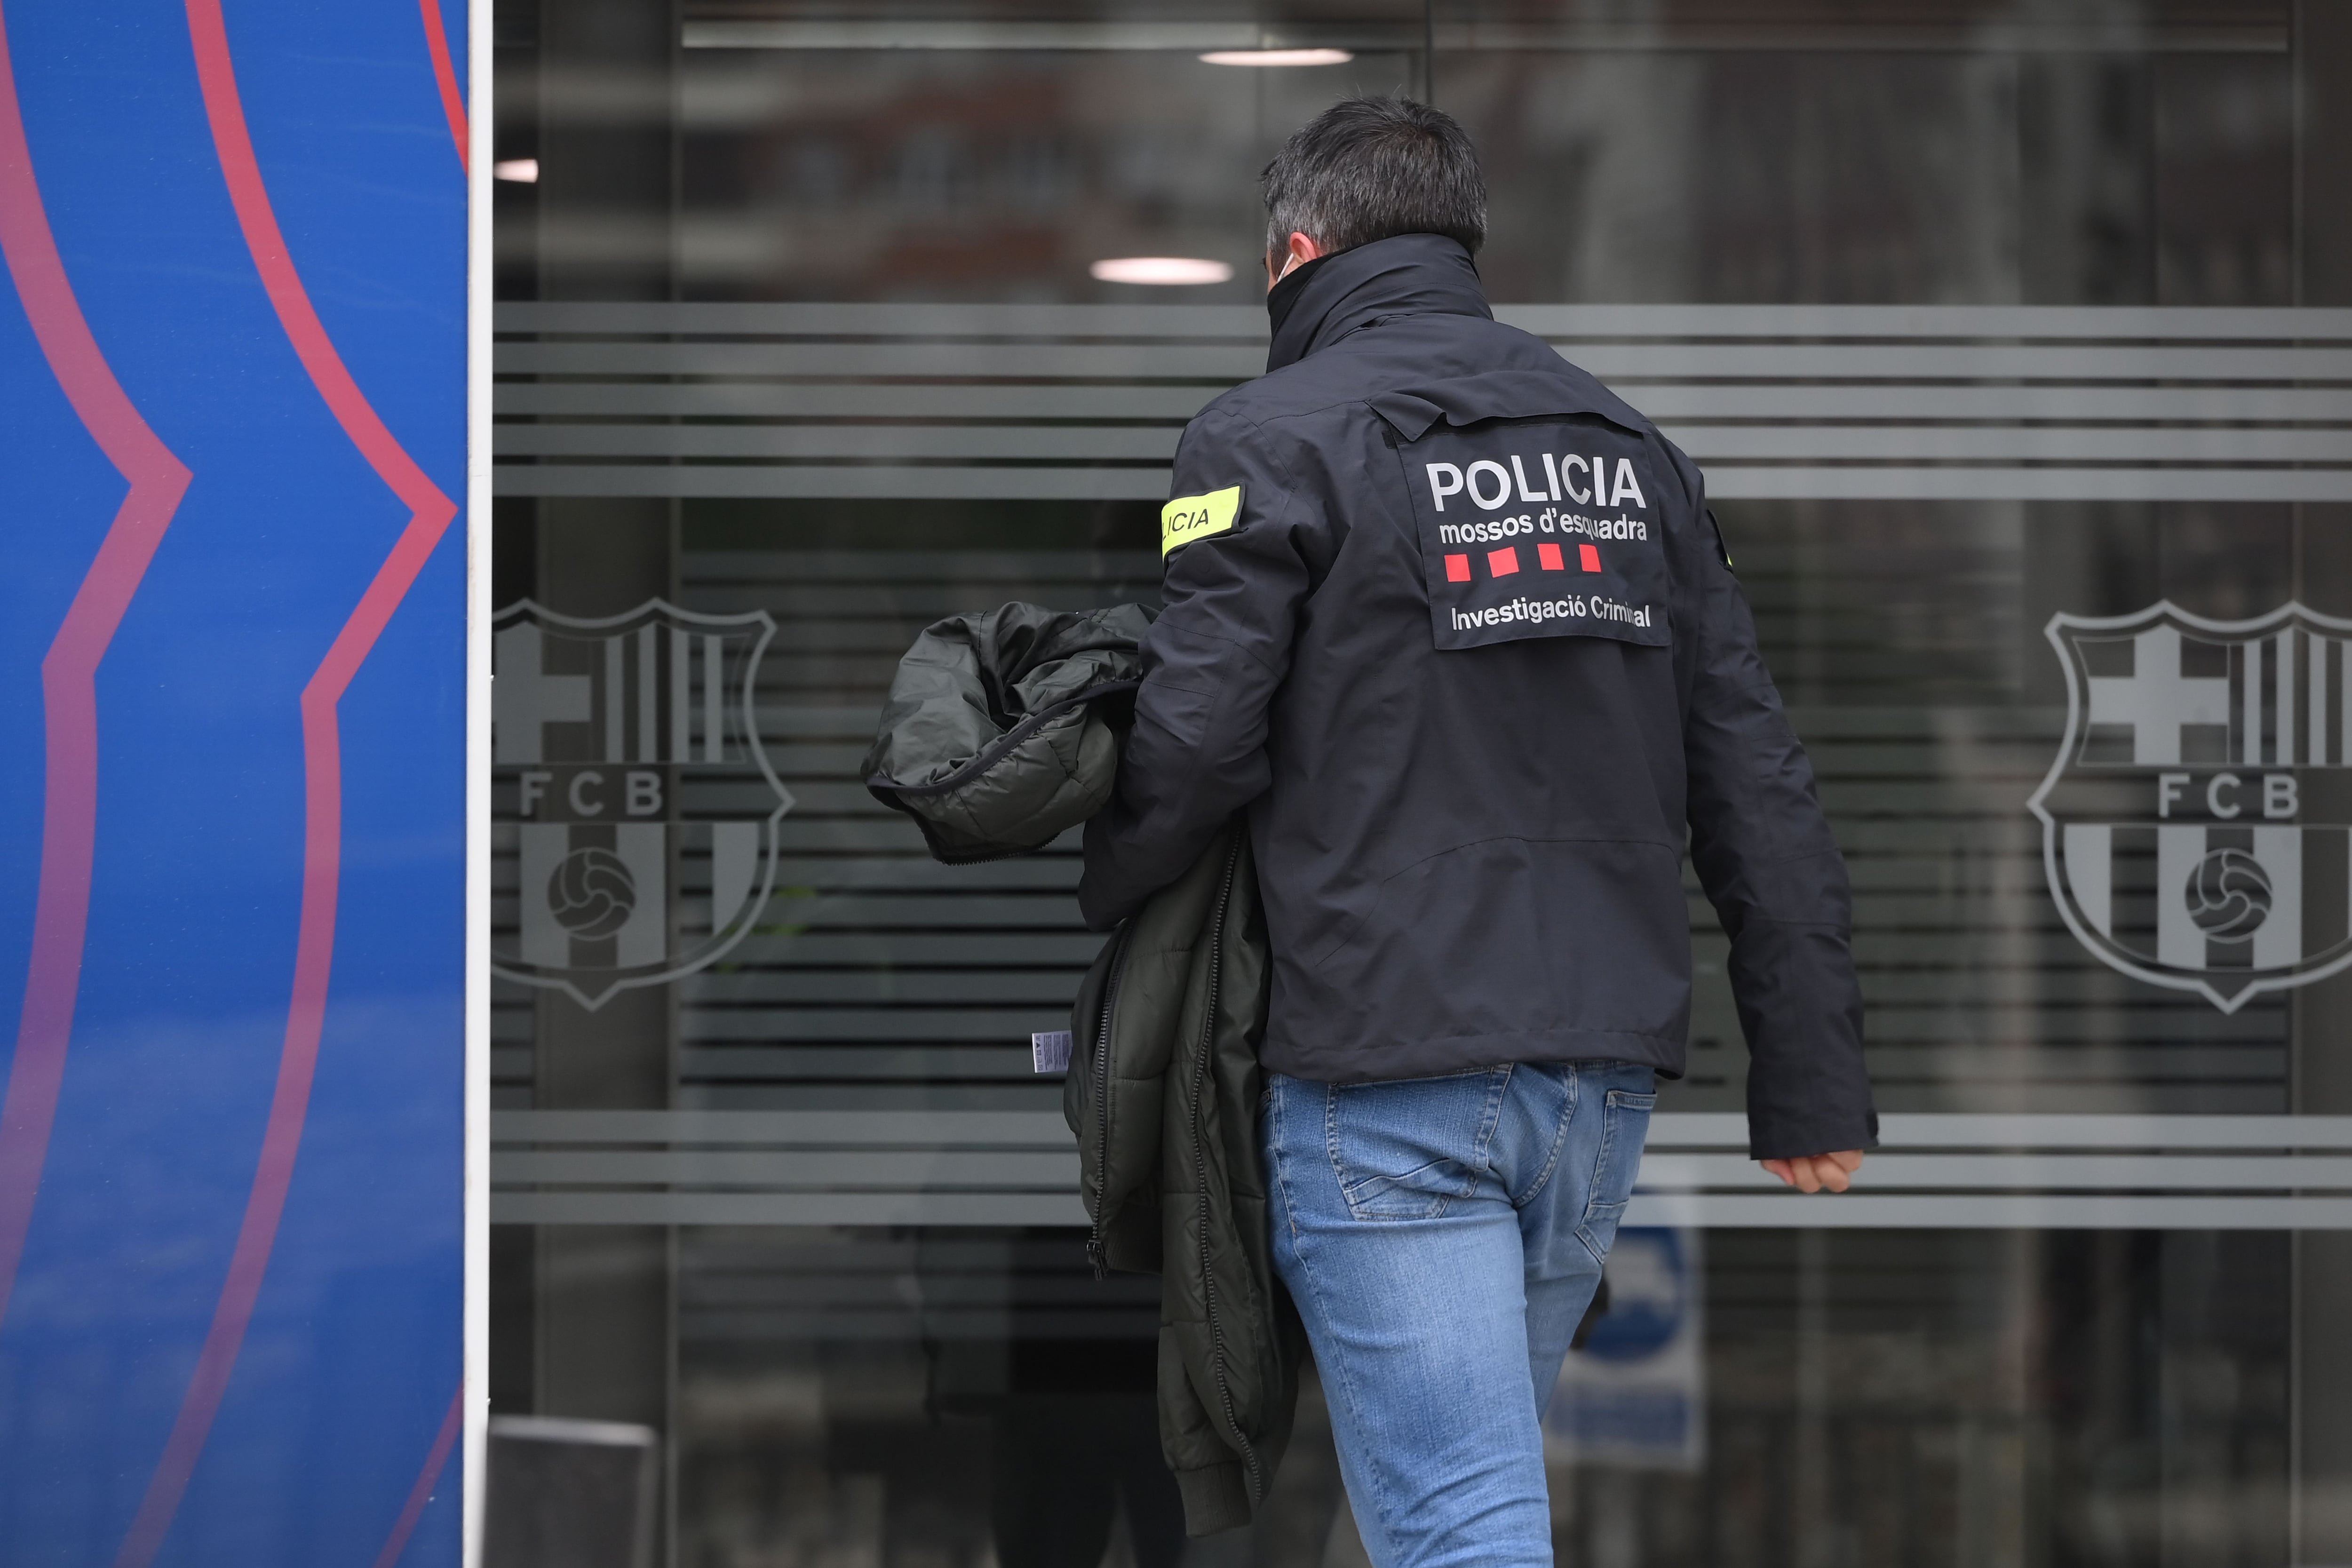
1453,624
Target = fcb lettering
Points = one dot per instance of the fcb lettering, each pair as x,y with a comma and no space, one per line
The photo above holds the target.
627,756
2196,831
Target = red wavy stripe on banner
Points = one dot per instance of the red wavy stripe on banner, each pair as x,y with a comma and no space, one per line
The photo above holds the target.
69,671
453,102
430,513
426,1479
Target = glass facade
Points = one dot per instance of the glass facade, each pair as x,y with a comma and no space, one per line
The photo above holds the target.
2012,338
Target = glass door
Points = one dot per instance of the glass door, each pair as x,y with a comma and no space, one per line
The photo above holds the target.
2010,340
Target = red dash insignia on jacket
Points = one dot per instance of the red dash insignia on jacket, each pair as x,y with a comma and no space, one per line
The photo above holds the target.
1457,568
1504,562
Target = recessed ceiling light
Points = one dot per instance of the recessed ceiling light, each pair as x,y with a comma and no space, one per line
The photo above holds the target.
1160,270
521,170
1277,56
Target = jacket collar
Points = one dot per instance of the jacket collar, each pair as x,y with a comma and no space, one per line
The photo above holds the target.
1404,275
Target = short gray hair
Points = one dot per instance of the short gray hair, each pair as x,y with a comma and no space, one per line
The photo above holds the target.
1367,168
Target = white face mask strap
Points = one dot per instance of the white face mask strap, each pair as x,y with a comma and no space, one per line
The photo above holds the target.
1286,269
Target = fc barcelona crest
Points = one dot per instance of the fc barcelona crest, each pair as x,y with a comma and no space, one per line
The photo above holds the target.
631,791
2197,824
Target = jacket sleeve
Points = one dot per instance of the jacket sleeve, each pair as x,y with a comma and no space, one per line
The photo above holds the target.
1211,664
1769,864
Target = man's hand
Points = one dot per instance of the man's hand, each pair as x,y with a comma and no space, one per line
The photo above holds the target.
1811,1172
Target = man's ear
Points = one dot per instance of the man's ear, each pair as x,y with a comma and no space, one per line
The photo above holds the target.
1295,253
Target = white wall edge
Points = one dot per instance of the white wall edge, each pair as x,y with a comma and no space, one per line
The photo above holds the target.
480,125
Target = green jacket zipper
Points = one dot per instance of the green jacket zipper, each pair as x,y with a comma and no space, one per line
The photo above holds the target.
1201,1170
1100,1068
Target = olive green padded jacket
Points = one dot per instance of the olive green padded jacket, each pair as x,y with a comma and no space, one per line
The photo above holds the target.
1001,733
998,734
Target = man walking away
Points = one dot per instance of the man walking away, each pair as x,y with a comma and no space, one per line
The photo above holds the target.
1453,625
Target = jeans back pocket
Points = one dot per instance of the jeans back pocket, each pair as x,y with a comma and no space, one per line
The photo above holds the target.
1406,1149
1624,1125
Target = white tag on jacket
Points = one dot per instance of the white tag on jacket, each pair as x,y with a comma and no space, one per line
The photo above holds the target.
1538,531
1050,1051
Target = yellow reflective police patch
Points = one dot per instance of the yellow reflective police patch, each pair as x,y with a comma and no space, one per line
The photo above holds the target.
1187,518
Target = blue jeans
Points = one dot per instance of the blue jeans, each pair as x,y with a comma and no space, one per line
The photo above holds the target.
1442,1237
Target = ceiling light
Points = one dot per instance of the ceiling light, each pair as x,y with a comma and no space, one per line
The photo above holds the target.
1277,56
521,170
1160,270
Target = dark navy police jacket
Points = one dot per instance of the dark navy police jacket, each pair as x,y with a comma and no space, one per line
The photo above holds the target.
1455,625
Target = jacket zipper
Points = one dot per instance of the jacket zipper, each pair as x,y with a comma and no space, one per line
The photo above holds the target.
1100,1067
1201,1170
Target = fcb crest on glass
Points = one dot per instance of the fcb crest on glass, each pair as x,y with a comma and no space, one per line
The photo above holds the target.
631,793
2197,823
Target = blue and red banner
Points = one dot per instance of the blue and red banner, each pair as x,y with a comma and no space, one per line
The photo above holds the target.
232,778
